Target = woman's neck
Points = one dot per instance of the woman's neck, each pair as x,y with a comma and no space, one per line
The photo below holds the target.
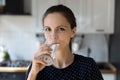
63,58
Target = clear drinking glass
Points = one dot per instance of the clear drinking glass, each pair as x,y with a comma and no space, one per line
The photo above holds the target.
47,58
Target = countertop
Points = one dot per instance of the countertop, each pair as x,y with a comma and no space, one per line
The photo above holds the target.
105,68
14,66
13,69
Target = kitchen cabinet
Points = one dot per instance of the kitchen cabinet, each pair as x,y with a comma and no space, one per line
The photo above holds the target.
93,16
12,75
39,7
14,23
16,7
14,70
82,13
103,16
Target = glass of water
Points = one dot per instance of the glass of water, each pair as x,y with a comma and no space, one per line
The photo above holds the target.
49,59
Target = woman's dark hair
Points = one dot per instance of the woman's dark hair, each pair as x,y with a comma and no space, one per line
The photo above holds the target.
65,11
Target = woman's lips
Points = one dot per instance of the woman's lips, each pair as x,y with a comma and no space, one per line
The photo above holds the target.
54,42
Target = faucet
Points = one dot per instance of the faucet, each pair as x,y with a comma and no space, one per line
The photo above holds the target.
89,51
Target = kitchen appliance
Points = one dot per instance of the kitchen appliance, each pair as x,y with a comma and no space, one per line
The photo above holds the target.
12,75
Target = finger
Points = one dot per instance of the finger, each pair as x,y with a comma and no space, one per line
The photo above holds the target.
45,45
37,60
45,48
41,62
43,52
38,54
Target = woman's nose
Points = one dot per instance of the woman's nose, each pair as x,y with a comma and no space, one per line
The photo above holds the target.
54,34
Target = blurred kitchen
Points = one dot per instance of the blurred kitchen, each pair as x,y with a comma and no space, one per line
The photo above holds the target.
98,34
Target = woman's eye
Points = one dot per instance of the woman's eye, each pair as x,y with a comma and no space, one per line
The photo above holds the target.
47,29
61,29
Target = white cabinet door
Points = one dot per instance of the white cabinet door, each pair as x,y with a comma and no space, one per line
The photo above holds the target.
16,23
79,7
39,7
82,13
93,16
103,16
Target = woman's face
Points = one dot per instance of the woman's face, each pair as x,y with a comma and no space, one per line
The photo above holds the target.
57,29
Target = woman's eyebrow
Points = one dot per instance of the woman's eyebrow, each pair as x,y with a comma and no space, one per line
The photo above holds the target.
45,26
57,26
62,26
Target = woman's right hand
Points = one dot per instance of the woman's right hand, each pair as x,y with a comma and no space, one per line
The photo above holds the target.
37,64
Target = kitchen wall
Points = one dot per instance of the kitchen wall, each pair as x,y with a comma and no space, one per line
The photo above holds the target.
21,45
98,44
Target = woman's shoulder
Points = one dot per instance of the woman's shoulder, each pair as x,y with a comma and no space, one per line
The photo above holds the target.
84,60
82,57
88,65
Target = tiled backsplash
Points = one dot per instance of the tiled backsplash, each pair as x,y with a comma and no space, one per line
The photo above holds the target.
21,45
95,46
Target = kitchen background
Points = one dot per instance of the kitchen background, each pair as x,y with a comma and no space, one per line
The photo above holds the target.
98,37
18,34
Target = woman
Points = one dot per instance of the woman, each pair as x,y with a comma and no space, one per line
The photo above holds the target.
60,27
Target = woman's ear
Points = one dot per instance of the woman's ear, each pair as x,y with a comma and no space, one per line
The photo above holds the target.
73,32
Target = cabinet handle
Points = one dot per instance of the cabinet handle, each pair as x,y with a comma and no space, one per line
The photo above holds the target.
100,30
